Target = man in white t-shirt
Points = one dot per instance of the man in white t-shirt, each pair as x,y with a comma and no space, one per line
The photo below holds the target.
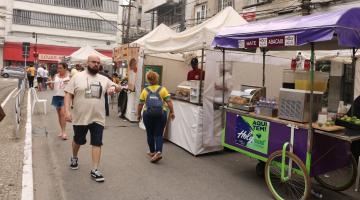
45,77
40,75
86,91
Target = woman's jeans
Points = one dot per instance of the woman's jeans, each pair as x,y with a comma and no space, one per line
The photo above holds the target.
154,129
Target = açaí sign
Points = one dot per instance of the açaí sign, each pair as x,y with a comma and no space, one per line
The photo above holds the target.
279,41
252,133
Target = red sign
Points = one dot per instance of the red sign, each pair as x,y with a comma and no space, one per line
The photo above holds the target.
250,16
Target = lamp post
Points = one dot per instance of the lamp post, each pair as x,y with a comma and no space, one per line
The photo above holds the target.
36,54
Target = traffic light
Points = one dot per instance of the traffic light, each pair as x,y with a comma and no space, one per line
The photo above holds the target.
25,49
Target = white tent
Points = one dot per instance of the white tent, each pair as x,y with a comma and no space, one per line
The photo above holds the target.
197,37
161,32
82,54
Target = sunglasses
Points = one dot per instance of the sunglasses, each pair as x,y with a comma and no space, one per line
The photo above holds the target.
95,62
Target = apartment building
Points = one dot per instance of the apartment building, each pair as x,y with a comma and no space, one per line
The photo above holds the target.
3,5
59,27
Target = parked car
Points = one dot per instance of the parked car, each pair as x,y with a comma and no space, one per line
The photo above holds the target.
17,72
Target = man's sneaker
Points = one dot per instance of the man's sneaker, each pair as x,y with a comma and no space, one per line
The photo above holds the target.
97,176
74,163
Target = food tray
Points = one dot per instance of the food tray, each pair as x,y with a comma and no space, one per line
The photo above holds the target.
328,128
347,125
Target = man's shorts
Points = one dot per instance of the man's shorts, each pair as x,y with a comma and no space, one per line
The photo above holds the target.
39,80
57,101
96,133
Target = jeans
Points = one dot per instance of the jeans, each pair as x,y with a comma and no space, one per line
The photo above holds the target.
154,130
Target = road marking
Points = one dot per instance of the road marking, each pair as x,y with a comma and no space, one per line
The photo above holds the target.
27,177
7,98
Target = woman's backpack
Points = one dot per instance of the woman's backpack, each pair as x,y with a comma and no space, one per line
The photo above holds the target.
154,103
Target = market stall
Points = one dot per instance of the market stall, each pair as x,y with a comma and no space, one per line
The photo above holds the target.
81,56
282,133
194,129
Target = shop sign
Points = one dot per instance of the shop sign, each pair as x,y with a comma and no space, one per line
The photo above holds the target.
252,133
51,57
249,14
271,42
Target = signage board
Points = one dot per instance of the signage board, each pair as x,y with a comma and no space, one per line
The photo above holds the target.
270,42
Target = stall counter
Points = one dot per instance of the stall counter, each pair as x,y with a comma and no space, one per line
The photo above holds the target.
186,130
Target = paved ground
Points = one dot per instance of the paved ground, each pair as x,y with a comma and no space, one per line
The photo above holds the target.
130,176
11,149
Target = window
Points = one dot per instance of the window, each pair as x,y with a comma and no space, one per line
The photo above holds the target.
200,13
140,10
224,3
248,3
62,22
139,22
110,6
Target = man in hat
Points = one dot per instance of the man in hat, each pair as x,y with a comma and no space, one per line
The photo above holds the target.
195,73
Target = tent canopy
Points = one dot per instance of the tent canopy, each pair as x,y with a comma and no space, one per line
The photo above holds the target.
81,55
295,31
197,37
161,32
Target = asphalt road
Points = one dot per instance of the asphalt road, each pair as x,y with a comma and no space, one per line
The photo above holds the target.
129,174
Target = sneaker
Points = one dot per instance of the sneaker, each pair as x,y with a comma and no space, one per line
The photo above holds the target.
150,154
74,163
156,157
97,176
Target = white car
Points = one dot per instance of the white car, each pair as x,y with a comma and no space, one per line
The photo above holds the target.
17,72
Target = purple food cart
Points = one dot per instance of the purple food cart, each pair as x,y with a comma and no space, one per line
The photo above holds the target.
293,151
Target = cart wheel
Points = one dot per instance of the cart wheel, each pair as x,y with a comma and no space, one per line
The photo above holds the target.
339,179
297,186
260,169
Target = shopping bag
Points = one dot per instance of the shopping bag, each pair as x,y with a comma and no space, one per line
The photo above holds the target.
2,114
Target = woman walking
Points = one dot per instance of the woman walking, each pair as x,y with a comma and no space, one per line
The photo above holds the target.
58,84
154,115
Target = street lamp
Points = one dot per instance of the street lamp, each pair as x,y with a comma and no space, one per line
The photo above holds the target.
36,54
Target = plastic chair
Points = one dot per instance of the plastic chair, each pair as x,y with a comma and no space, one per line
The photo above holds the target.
36,99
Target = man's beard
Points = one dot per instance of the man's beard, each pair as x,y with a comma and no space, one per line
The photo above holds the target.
93,71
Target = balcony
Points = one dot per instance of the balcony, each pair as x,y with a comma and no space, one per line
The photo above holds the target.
152,5
107,6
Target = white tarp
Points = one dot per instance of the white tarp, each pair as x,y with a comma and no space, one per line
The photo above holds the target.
197,37
82,54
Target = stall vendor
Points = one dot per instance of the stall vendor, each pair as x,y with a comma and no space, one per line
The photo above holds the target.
195,73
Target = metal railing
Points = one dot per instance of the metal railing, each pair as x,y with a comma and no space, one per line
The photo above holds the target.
108,6
18,98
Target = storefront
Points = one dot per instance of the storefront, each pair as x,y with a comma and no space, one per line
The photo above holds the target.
48,54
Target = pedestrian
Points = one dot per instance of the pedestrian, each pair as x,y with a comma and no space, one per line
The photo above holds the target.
75,70
39,75
154,115
58,85
31,75
45,78
86,90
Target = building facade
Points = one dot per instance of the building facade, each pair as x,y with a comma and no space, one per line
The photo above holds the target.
59,27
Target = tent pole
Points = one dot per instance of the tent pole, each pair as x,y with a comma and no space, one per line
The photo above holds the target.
201,75
223,91
353,63
310,131
264,56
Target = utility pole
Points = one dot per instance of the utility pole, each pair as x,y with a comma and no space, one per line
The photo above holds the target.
128,23
152,19
183,11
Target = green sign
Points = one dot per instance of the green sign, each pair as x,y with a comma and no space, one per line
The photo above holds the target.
252,133
155,68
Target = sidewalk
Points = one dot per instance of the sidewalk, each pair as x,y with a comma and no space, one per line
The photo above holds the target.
129,174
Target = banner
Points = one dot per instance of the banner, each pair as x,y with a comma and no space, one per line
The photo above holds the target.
252,133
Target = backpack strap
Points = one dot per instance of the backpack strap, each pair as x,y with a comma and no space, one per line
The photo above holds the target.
158,90
148,90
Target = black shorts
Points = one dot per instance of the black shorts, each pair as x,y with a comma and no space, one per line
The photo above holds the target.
96,133
39,80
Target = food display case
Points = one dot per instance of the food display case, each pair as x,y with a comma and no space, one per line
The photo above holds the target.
183,91
246,98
